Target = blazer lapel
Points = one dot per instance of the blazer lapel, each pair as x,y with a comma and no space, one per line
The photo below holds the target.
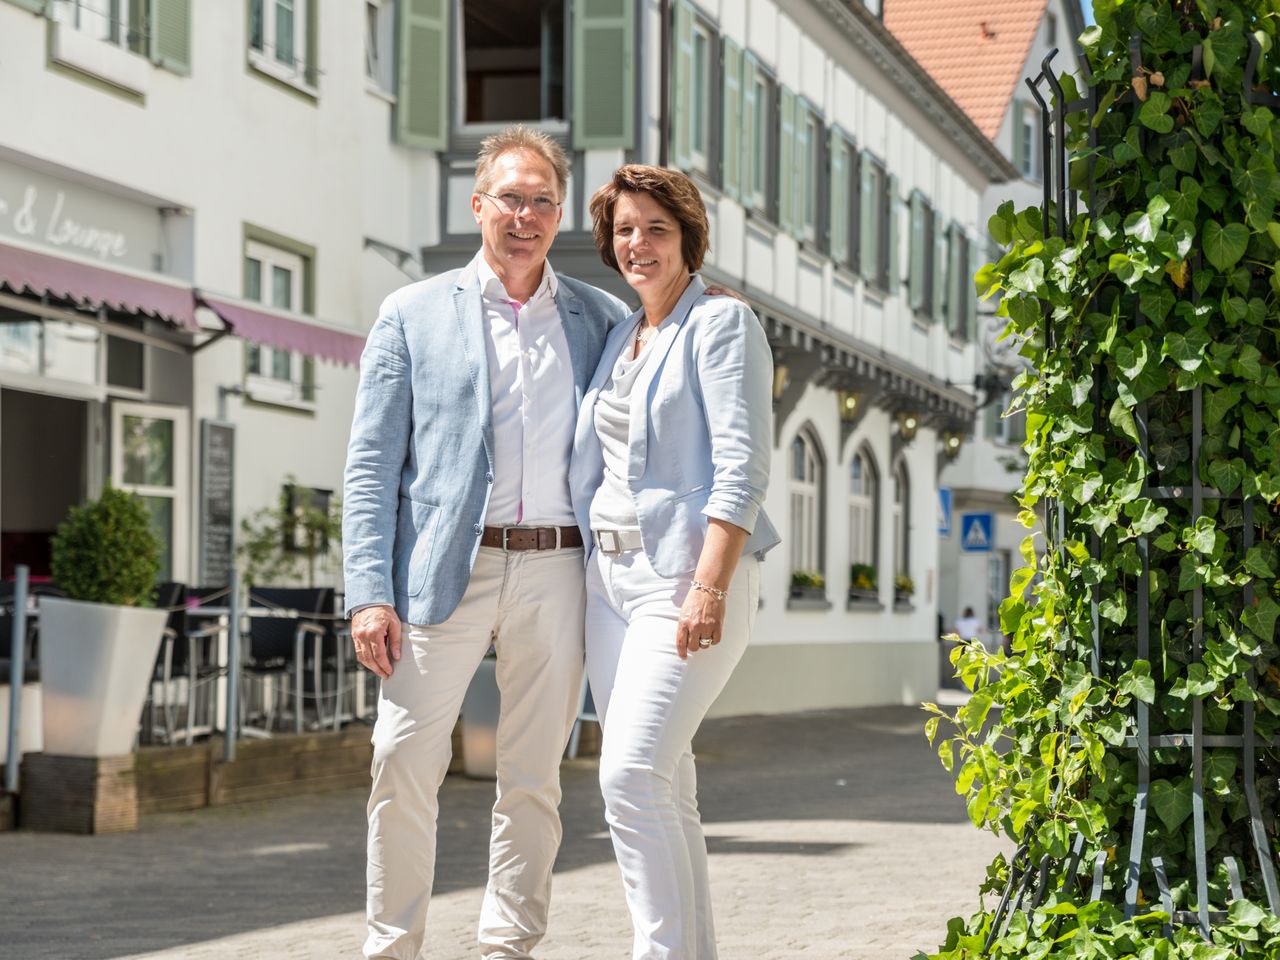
467,313
646,380
582,338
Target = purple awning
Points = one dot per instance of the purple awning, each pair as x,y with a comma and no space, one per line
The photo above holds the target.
94,285
252,321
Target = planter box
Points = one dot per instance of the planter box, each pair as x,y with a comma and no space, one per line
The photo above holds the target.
79,794
96,663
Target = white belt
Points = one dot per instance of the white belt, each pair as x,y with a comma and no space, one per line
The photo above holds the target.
616,541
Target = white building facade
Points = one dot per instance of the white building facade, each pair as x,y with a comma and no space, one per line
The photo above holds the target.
255,180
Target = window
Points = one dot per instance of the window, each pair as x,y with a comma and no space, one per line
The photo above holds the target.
117,22
809,158
700,86
920,270
1004,427
876,209
379,44
842,235
759,119
901,521
279,38
961,297
275,278
864,509
1026,144
1051,29
998,573
806,504
149,458
514,61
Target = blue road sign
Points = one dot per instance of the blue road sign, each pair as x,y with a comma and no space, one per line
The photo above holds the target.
944,511
977,532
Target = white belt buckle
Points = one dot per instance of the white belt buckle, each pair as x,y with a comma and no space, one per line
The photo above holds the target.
617,541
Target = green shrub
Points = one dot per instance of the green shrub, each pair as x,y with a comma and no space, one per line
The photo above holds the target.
106,551
862,576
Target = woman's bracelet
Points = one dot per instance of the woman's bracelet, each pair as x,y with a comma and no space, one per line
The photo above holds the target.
707,588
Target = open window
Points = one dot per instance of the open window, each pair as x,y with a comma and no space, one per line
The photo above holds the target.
513,54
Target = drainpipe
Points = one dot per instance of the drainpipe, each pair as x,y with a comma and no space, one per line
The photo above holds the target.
664,91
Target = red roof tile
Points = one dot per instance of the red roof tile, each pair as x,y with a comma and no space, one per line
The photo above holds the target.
974,50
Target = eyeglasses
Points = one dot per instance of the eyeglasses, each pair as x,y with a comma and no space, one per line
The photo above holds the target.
515,202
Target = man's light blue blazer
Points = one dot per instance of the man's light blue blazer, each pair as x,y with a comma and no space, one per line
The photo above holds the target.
420,461
700,434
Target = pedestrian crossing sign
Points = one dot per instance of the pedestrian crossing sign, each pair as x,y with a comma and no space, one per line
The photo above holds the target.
977,531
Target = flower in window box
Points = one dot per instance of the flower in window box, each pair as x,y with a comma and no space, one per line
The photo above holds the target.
862,582
903,587
807,583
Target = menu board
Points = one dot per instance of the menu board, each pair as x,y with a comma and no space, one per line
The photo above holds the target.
217,503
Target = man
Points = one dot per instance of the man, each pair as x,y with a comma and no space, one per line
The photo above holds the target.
459,532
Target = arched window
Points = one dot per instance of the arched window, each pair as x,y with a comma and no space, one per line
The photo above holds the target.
901,520
806,503
864,508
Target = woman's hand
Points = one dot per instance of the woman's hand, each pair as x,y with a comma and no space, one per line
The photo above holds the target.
701,617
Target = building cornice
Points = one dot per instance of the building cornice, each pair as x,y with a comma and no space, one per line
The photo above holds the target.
874,40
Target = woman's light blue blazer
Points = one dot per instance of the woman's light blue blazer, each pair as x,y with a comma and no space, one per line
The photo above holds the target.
700,433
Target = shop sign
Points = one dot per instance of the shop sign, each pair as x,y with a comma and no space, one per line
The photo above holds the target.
71,218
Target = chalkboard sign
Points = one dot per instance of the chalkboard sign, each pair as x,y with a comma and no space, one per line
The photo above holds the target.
217,503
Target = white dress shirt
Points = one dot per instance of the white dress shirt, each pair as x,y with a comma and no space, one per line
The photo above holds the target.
534,410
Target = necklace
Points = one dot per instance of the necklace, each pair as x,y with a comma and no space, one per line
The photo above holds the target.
644,333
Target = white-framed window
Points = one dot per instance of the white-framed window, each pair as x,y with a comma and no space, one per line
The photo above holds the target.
875,209
1006,430
108,20
844,198
762,129
806,503
701,80
1027,149
864,508
901,520
379,45
811,131
278,37
513,64
150,457
921,253
275,278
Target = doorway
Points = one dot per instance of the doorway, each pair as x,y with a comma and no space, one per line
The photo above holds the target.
43,460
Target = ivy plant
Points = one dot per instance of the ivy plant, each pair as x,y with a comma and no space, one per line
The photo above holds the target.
1166,281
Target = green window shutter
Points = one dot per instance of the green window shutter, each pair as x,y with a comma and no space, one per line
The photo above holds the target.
313,44
806,174
603,74
941,260
170,23
788,215
682,94
956,282
748,130
731,127
839,198
970,290
1019,148
869,215
893,237
916,255
35,6
422,104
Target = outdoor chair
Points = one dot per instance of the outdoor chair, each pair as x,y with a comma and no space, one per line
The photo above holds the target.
284,646
187,652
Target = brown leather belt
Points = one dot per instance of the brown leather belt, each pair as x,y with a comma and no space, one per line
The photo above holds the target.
531,538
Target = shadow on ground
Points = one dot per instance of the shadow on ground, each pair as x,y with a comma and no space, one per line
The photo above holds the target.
188,878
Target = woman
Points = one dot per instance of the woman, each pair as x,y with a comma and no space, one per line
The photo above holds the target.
670,465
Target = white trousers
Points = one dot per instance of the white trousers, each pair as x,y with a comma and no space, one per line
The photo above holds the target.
650,704
529,603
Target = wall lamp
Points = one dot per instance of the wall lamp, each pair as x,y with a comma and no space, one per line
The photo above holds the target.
908,424
850,404
951,443
781,378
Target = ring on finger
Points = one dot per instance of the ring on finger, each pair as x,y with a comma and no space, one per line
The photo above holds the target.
705,642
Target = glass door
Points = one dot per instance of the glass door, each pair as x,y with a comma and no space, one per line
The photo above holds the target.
150,457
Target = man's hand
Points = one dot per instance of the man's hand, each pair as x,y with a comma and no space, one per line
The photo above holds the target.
720,290
375,631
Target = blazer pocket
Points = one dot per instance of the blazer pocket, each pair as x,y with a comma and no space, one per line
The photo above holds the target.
418,523
700,488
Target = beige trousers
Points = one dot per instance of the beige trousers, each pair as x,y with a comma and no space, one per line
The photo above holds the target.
530,605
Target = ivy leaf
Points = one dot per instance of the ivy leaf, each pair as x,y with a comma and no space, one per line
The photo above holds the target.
1171,802
1146,516
1156,302
1113,609
1199,683
1029,277
1139,226
1121,417
1155,112
1255,561
1138,683
1227,474
1218,403
1262,618
1186,350
1224,246
1245,914
1203,536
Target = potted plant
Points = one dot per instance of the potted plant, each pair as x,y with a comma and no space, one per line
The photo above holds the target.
862,583
808,583
99,644
903,589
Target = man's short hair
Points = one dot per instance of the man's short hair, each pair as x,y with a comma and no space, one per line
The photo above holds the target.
675,192
520,137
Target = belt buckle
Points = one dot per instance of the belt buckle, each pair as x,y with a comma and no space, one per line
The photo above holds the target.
617,541
506,532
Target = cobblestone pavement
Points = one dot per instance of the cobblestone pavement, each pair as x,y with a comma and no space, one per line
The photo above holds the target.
832,835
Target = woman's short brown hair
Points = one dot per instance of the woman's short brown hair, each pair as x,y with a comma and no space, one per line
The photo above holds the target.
677,194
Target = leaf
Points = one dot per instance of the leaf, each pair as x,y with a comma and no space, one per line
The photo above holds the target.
1203,536
1171,802
1227,474
1121,417
1255,561
1224,246
1245,914
1186,350
1138,683
1155,112
1139,226
1030,276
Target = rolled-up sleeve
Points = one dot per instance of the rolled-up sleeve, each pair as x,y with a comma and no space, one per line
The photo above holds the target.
735,373
376,454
